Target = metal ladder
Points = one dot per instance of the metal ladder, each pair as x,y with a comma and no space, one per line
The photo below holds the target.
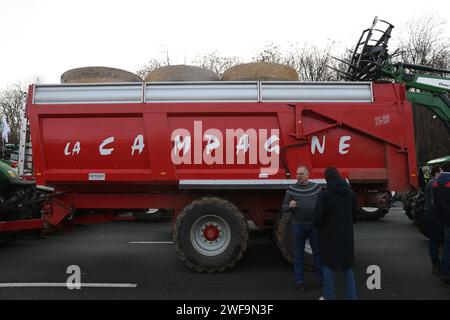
25,165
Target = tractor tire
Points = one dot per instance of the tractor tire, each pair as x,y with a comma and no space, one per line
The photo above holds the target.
284,240
17,211
407,199
7,215
371,214
210,235
420,218
407,207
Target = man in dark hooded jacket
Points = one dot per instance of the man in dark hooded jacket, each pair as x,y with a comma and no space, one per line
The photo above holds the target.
435,225
441,197
334,215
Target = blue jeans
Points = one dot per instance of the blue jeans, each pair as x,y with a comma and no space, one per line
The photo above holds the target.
328,284
301,233
436,231
446,254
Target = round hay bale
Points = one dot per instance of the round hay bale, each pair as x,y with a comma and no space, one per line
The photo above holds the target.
98,75
181,73
260,71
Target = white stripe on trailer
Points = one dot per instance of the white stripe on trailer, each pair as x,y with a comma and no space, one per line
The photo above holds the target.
242,184
316,92
88,93
202,92
212,91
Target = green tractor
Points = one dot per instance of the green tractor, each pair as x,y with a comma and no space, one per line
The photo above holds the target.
19,199
425,87
414,201
10,155
8,165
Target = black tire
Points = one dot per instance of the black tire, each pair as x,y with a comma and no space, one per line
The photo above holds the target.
407,207
17,210
419,216
8,214
407,199
284,240
6,238
371,214
219,252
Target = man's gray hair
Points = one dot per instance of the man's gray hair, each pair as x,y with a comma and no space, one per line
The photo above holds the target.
305,169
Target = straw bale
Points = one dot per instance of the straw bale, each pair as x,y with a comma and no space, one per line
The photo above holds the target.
98,75
181,73
260,71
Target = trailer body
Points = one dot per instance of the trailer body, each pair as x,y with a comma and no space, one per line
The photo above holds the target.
214,146
104,140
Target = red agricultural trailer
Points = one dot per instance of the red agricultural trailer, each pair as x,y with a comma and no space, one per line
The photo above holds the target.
217,153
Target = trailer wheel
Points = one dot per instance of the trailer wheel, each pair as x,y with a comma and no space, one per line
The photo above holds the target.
418,212
284,240
210,235
371,214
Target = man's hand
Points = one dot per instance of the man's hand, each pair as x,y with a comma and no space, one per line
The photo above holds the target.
293,204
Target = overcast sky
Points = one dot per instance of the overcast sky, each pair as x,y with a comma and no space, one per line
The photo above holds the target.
45,38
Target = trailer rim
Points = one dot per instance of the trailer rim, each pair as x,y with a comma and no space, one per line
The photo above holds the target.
210,235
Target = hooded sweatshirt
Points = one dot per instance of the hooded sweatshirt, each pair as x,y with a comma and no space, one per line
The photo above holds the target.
441,197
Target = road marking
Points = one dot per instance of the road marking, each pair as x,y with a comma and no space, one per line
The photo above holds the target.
64,284
151,242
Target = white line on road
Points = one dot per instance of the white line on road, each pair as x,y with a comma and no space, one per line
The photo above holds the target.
151,242
64,284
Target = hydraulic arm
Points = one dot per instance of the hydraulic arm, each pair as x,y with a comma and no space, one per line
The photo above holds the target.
370,61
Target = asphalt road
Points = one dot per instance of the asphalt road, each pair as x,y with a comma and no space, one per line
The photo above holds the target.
105,255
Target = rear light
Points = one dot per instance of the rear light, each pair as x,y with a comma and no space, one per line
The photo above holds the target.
14,164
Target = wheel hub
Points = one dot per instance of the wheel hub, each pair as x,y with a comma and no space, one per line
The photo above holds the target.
211,232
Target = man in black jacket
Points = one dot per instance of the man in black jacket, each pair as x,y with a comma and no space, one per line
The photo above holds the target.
441,197
334,215
435,225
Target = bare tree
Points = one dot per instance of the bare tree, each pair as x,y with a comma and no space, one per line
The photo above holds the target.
215,62
311,62
212,61
270,53
425,45
150,66
10,105
163,59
